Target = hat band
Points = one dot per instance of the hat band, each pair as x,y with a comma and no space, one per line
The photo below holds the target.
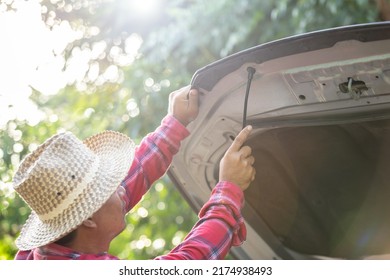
73,195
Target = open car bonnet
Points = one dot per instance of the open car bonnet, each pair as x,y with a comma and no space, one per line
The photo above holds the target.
319,104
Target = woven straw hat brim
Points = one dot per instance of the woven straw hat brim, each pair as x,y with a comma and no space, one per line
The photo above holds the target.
116,154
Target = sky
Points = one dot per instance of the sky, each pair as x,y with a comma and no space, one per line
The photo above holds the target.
28,54
31,56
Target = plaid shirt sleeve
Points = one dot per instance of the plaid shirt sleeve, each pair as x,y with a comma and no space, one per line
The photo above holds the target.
219,227
152,158
220,223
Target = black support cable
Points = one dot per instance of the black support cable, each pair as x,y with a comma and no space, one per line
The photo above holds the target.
251,72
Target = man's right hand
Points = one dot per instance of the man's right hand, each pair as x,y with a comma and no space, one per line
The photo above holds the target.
183,104
236,165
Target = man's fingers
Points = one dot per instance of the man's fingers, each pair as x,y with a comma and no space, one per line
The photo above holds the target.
245,152
193,100
180,95
241,138
183,92
250,160
253,175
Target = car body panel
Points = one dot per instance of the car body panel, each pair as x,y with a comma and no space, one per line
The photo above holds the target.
320,107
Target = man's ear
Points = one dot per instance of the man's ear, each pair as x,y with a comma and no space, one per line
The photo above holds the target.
89,223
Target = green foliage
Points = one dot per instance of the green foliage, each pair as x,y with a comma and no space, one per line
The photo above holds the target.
183,37
155,226
205,31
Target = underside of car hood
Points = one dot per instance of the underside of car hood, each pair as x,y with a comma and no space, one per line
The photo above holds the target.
320,107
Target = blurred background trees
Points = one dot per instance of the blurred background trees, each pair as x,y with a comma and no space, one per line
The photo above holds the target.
90,65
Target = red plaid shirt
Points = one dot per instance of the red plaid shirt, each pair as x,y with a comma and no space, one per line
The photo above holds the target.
220,224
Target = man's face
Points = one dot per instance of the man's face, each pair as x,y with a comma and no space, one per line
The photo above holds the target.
110,218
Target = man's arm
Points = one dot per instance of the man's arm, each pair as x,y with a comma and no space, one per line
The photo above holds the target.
155,152
221,224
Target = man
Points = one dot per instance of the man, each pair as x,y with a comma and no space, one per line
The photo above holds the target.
80,192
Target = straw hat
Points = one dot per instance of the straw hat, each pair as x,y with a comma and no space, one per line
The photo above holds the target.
65,181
